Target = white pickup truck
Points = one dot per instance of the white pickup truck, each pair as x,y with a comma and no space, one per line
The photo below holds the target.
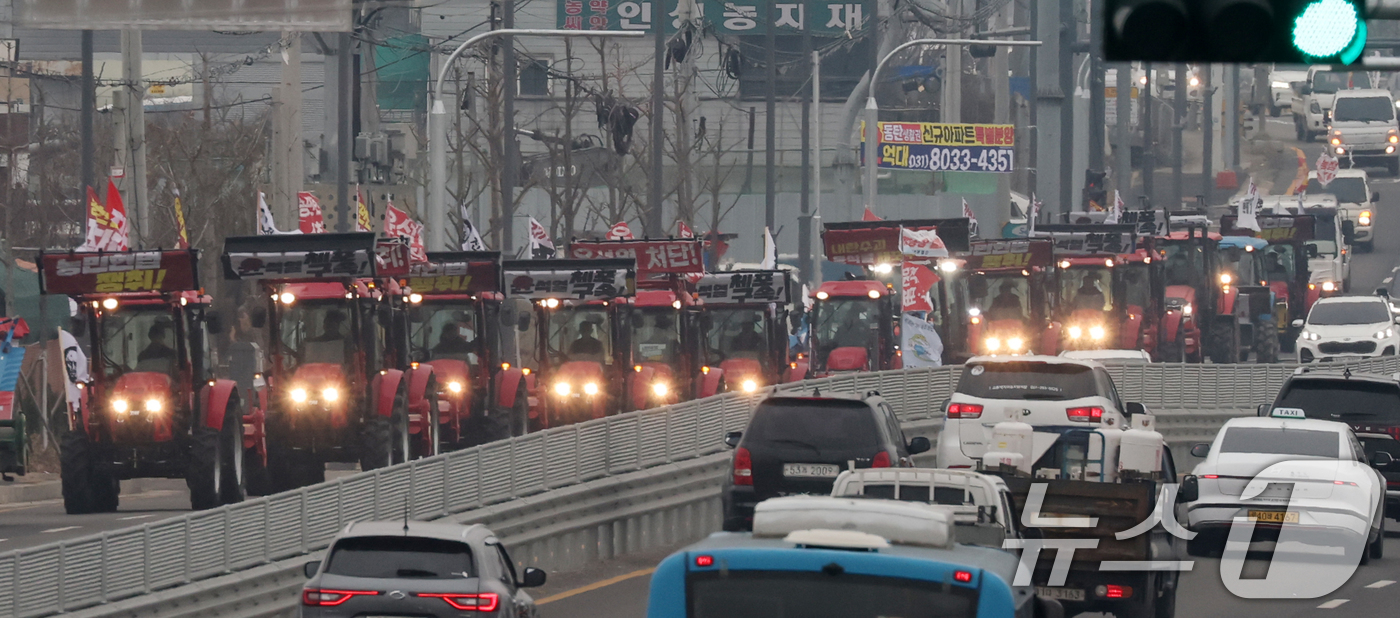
1281,83
1312,103
1356,201
1362,131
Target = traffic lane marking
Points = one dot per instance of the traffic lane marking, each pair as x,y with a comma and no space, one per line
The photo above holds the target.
63,529
1380,584
135,517
1333,604
595,585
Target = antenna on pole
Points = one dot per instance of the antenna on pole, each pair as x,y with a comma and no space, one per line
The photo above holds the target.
405,515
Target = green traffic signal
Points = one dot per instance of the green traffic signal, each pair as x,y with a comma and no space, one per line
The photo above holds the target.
1250,31
1328,29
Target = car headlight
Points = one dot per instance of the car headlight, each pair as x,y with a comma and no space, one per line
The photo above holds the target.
1096,332
1075,332
562,388
454,386
749,386
330,393
657,388
1387,333
1328,286
299,395
1310,336
1364,218
993,344
1279,85
591,388
1014,344
120,406
153,405
1225,278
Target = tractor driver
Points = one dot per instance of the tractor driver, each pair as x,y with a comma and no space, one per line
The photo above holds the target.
331,328
1006,305
1090,293
452,342
159,349
586,344
1277,271
748,341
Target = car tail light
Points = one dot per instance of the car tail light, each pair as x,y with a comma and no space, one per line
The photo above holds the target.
1210,476
704,560
962,576
313,597
483,602
964,410
1114,591
1345,483
743,467
1393,431
1086,414
880,460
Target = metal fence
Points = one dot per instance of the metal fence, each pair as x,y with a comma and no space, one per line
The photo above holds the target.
544,491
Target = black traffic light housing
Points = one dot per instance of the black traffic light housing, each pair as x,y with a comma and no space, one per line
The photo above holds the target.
1250,31
1095,189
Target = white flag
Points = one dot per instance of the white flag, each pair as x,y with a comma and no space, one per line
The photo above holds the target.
971,218
1115,214
266,224
770,251
1248,208
541,247
1032,215
471,238
75,365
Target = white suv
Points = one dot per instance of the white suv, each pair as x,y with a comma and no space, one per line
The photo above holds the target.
1347,327
1042,391
1362,131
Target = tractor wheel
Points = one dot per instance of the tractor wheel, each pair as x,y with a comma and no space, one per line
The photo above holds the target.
520,414
75,461
205,476
106,488
234,486
1265,343
385,440
1225,341
429,440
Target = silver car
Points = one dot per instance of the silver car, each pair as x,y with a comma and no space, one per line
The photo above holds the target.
411,568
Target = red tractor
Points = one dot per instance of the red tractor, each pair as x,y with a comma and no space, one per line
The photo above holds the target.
743,325
1110,292
455,318
577,339
1191,267
1009,288
340,385
663,323
1285,267
153,406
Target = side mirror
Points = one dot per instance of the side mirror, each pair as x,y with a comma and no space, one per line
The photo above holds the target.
1134,408
1381,459
1382,292
532,578
258,317
214,323
522,323
1263,409
1296,324
1397,319
309,569
1304,89
1190,490
732,438
1311,251
1200,450
919,444
1348,231
1375,196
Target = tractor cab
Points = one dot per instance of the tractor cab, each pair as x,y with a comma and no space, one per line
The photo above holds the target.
153,406
577,340
662,324
1008,287
1188,252
742,326
340,385
1109,292
1329,260
1285,266
454,311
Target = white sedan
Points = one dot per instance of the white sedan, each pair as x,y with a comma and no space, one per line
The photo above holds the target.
1286,471
1347,327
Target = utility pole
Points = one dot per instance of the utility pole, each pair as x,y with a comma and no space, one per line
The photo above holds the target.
89,107
1178,127
1001,114
345,84
770,131
288,167
1149,147
804,222
1068,35
1097,112
135,133
1123,105
1054,143
652,223
814,276
1232,117
1207,132
510,147
951,106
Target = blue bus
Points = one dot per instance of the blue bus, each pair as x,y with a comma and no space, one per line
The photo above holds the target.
824,557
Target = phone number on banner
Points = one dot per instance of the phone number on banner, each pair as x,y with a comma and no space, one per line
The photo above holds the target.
945,158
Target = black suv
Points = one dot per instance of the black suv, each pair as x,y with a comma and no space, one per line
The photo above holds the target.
798,444
1368,402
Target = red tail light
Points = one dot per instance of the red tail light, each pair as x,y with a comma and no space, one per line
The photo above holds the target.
964,410
962,576
484,602
1086,414
704,560
880,460
1113,591
743,467
330,598
1210,476
1393,431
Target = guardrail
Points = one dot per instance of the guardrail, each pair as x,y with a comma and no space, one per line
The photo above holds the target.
535,490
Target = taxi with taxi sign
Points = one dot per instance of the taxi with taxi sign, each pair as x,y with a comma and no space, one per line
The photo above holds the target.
1286,470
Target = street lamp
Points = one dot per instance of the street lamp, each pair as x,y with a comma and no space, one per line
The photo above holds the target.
872,110
437,123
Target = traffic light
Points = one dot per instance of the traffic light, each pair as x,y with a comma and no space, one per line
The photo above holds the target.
1095,191
1253,31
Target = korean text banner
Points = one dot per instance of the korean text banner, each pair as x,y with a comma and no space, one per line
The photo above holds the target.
681,255
747,286
580,284
299,264
938,147
1277,229
863,246
1009,254
454,276
111,273
741,17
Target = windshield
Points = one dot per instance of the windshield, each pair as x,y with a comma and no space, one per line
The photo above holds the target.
1338,314
1001,296
445,330
1321,248
1137,288
820,423
1347,190
1183,259
847,323
811,594
1279,441
1028,380
1239,264
398,557
1087,288
656,335
316,333
581,333
1345,400
735,333
137,338
1329,82
1279,263
1363,109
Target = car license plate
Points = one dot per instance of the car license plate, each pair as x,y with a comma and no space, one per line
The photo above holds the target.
811,470
1275,517
1059,594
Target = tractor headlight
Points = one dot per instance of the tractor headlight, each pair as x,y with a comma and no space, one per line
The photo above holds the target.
109,304
330,393
153,405
562,389
454,386
749,386
1096,333
1014,344
1075,332
120,406
1225,278
415,298
287,298
659,389
299,395
1187,309
1328,286
591,388
993,344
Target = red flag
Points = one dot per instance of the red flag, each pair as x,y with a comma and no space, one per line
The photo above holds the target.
312,221
398,224
870,215
918,280
684,230
620,231
115,235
